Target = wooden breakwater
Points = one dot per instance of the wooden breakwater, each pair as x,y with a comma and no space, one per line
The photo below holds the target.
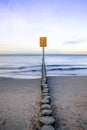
47,121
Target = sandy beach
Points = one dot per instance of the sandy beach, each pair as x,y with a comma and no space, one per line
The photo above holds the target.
69,101
19,103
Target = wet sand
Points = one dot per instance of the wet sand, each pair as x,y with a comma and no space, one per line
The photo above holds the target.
19,104
69,101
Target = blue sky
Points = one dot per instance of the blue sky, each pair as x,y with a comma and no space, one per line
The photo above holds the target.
63,22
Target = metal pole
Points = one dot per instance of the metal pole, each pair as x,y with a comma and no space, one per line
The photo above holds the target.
43,55
43,64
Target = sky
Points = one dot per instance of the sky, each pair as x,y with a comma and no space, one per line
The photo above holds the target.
63,22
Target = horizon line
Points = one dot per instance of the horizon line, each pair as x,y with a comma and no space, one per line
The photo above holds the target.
41,53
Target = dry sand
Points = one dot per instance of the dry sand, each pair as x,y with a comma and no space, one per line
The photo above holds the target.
69,101
19,104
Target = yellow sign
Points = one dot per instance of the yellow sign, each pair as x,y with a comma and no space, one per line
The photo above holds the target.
43,41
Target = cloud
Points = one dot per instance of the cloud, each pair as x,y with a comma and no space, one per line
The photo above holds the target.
71,42
74,41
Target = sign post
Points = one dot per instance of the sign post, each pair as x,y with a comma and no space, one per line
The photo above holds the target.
43,43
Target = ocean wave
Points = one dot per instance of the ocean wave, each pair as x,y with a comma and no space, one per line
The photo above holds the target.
53,65
48,67
18,68
65,69
8,68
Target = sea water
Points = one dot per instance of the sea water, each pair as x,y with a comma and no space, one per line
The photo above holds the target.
29,66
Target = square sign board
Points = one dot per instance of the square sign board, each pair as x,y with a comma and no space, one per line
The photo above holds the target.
43,41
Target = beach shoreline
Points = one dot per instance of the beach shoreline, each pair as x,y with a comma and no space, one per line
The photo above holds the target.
20,102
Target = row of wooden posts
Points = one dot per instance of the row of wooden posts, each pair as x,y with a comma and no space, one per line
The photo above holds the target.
47,121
